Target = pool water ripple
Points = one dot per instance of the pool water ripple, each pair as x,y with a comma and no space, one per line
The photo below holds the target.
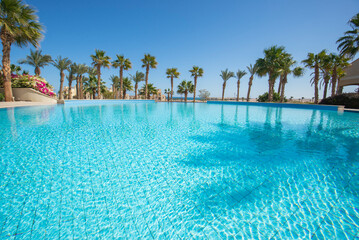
148,170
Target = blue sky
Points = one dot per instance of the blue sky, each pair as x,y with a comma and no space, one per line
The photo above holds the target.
214,35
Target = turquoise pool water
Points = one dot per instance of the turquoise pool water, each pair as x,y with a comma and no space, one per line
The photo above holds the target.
178,171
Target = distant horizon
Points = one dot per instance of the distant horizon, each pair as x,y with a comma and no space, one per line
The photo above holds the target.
207,34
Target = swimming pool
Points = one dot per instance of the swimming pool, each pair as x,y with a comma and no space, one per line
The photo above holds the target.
148,170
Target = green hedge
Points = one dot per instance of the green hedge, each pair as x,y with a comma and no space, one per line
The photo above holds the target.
349,100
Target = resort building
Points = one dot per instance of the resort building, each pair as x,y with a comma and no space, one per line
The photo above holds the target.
352,76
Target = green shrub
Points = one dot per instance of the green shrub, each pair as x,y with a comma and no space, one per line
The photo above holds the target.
264,97
2,97
349,100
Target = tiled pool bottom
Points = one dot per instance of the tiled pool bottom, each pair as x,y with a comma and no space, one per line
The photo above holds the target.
75,176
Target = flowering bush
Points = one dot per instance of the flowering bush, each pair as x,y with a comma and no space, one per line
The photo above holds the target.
34,82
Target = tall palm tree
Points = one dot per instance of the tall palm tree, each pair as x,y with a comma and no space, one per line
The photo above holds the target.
115,82
349,43
19,25
168,92
124,64
252,71
81,70
326,67
172,73
287,68
315,61
239,75
72,70
138,77
337,61
100,60
61,64
185,87
148,62
127,86
225,75
37,60
195,73
270,65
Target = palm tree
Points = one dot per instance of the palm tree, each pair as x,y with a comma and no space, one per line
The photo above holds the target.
61,64
124,64
127,86
225,75
185,87
287,64
195,73
72,70
315,61
270,65
349,43
81,70
15,69
19,26
338,61
326,67
115,82
100,60
252,70
172,73
239,76
138,77
37,60
168,92
148,62
150,90
341,73
91,85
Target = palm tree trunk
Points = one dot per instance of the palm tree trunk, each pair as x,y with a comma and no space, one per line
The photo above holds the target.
121,82
171,87
78,86
249,87
62,77
334,80
37,71
136,86
280,85
146,79
194,89
6,43
224,87
81,88
124,93
238,84
98,81
325,89
70,90
283,82
316,80
185,96
270,90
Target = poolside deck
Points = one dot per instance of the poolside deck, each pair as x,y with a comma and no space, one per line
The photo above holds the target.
23,104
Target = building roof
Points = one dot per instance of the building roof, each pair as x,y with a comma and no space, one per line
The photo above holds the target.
352,75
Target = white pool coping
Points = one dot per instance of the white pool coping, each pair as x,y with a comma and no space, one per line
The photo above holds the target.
23,104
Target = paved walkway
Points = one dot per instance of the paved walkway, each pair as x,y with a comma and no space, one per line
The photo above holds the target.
22,104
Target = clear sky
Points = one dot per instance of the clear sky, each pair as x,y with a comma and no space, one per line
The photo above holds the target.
212,34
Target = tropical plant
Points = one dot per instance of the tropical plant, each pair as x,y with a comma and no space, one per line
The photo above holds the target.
286,69
150,90
338,62
19,25
148,62
225,75
138,77
80,71
72,70
252,69
100,60
61,64
168,92
172,73
185,87
15,69
264,97
195,73
326,67
349,43
341,73
315,61
270,65
124,64
204,94
37,60
91,85
34,82
127,86
239,75
115,83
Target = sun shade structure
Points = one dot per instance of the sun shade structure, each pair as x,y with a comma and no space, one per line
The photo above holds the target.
352,75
